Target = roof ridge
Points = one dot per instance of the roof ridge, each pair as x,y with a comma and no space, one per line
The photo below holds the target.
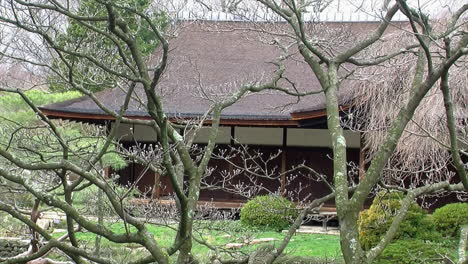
342,16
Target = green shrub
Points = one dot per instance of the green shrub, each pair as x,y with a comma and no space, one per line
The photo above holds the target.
268,211
450,217
413,251
374,222
12,106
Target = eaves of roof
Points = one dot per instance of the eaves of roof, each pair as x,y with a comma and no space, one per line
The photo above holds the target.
101,117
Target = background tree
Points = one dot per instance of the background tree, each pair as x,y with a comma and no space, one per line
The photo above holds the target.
78,36
23,134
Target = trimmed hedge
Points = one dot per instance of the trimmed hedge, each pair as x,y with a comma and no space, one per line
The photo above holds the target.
449,218
374,222
268,212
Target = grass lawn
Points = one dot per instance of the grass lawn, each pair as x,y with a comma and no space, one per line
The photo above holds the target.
306,245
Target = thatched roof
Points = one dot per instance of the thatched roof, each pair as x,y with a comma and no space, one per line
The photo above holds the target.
220,56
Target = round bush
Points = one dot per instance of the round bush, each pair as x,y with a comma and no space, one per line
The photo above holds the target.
374,222
450,217
268,211
413,251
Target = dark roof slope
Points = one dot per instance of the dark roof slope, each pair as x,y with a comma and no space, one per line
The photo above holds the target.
219,60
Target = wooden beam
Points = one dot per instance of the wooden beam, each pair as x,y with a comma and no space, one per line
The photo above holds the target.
211,204
314,114
231,204
249,122
308,115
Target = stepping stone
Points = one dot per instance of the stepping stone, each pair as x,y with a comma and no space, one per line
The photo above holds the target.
262,240
44,223
234,245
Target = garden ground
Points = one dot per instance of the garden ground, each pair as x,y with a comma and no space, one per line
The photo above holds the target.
321,246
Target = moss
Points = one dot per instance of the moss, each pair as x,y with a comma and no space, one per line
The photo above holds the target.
449,218
374,222
413,251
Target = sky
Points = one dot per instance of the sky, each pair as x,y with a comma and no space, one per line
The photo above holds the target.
336,10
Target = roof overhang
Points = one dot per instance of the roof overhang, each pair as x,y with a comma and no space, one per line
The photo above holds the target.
103,118
295,120
313,114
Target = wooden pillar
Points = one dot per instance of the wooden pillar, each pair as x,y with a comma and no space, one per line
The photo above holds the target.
283,162
362,158
107,173
233,136
230,166
157,186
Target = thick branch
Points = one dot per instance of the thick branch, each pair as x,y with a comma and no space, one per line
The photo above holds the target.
371,39
446,91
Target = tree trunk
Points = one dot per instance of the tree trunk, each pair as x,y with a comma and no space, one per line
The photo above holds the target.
100,215
34,217
347,214
350,247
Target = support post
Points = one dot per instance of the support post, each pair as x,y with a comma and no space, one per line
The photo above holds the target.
157,186
362,158
283,162
107,172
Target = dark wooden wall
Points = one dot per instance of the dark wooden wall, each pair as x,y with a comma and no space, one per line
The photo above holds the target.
319,159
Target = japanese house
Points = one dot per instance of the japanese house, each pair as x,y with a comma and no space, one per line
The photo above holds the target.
216,57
